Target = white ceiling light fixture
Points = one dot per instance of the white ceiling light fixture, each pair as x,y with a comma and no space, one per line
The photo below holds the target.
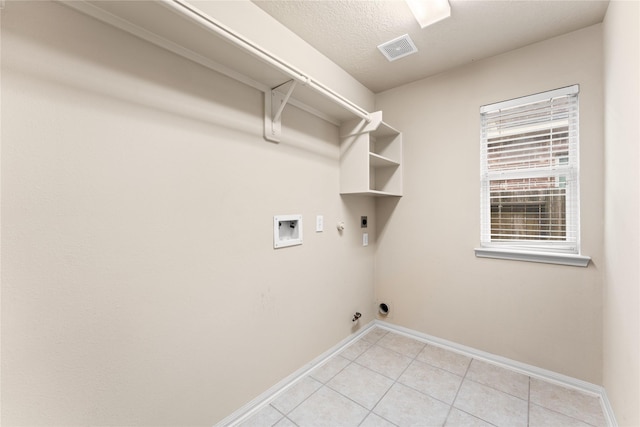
429,12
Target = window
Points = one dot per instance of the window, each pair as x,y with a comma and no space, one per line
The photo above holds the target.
529,179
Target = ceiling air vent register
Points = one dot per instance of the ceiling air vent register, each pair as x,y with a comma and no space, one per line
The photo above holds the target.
398,48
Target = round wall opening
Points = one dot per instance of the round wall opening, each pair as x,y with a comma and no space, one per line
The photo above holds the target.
383,309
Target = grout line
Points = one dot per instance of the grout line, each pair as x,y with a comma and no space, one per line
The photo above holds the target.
415,359
282,414
565,415
310,374
498,390
378,402
458,391
351,362
464,378
395,381
480,419
385,375
306,376
426,394
347,397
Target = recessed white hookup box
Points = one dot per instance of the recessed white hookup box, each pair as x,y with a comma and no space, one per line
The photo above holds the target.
287,230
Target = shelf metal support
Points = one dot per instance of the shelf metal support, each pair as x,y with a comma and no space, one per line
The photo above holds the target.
274,103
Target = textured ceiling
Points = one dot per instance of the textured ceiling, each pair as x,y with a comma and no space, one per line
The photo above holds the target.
349,31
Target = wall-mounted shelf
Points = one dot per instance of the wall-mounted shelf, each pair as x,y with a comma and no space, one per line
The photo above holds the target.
370,158
372,168
378,161
178,26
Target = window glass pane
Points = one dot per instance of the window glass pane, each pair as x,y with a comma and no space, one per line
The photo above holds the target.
528,209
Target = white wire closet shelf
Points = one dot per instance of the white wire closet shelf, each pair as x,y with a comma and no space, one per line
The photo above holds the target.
180,27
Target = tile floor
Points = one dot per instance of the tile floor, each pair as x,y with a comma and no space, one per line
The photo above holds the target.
388,379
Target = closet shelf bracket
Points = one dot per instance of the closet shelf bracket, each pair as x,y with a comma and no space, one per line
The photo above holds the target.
274,102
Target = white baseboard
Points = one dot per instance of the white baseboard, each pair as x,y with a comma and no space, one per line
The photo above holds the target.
259,402
263,399
608,409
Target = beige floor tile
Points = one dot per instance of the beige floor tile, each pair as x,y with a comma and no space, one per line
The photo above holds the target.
374,335
285,422
265,417
458,418
405,406
567,401
361,385
436,382
405,345
296,394
327,371
399,381
542,417
493,406
445,359
499,378
327,408
374,420
384,361
356,349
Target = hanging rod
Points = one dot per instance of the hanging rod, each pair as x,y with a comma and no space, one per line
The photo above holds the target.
221,30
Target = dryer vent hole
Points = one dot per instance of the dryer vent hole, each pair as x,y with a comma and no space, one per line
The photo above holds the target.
383,309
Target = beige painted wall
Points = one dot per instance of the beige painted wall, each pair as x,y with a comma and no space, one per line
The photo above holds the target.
139,281
546,315
621,330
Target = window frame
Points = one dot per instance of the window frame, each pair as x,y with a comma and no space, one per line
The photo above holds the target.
566,252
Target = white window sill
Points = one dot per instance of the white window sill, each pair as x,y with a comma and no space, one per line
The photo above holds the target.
531,256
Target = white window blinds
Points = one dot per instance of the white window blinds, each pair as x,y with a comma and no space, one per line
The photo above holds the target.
529,172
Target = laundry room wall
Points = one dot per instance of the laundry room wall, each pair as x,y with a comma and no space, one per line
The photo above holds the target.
621,299
140,285
549,316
